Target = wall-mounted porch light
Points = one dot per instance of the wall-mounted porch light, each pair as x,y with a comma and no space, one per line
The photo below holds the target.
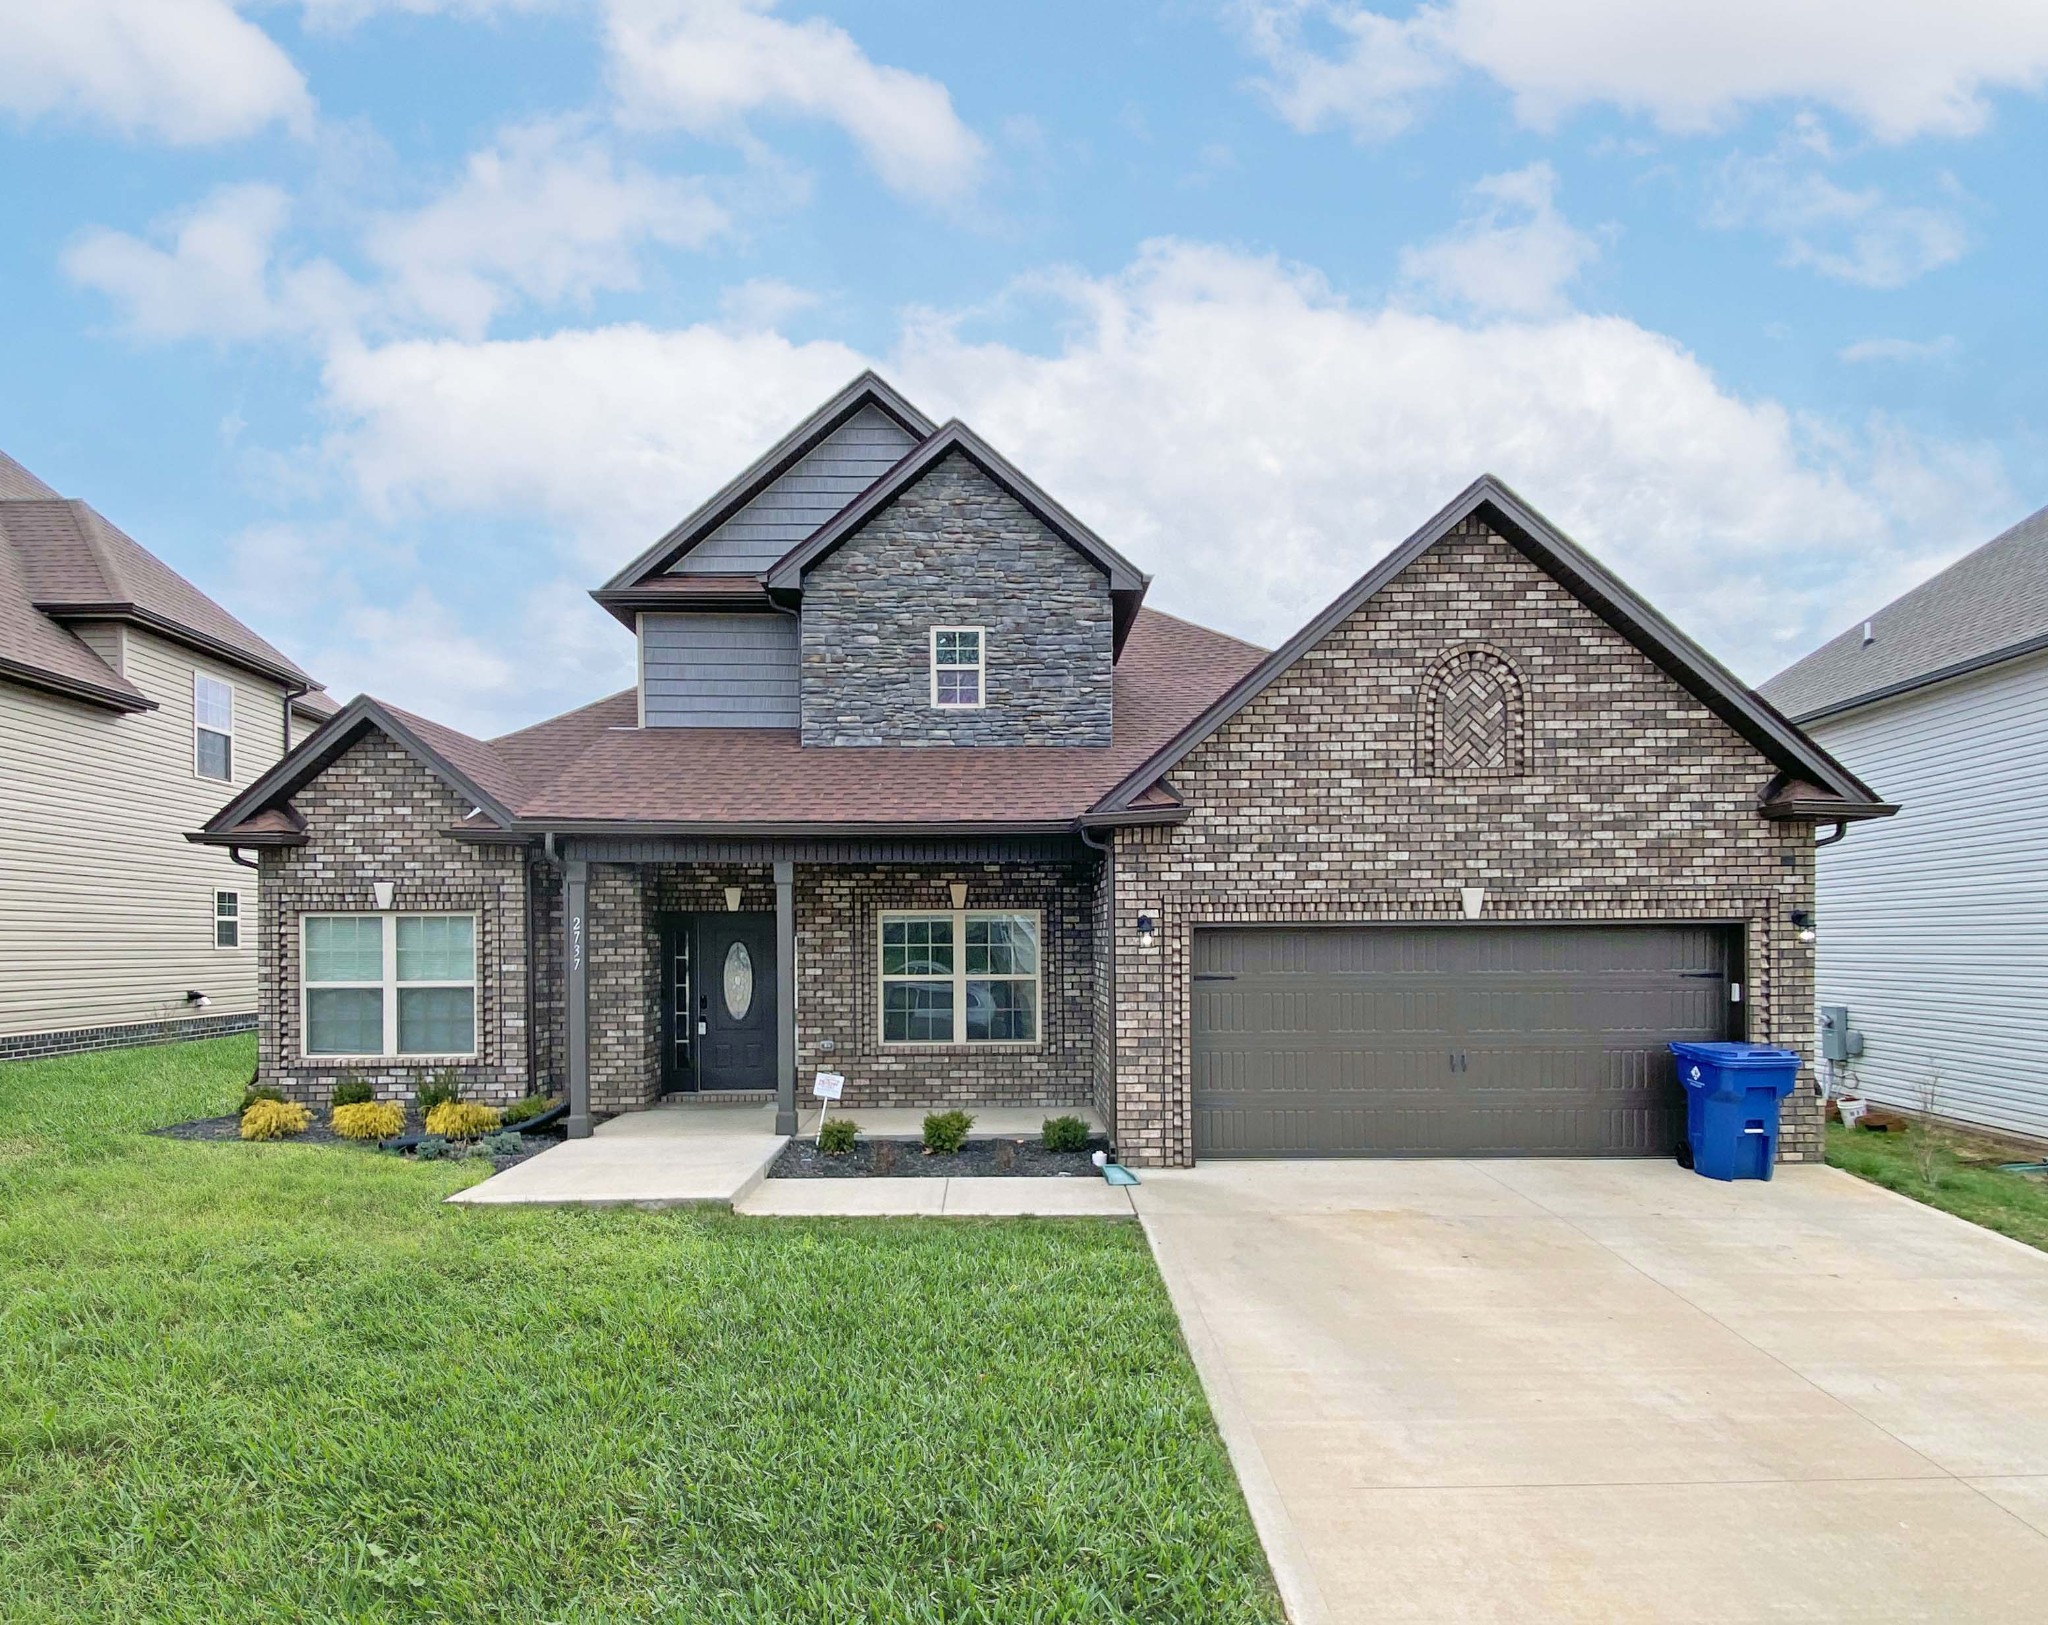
732,899
1148,931
1804,921
196,999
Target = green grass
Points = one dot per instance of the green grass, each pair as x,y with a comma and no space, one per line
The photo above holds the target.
1966,1178
227,1372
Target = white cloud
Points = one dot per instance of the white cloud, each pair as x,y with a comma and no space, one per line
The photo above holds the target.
1514,253
216,277
187,71
343,14
764,302
1858,235
1901,68
704,65
546,213
1244,433
1941,349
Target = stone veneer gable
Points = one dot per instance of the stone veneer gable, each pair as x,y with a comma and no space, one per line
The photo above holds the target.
955,549
1310,806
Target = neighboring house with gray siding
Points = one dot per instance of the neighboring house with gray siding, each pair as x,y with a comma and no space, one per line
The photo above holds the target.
913,788
1933,929
129,704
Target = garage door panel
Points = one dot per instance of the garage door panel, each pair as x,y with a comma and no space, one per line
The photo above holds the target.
1463,1041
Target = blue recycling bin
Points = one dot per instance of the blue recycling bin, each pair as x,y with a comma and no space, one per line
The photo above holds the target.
1732,1093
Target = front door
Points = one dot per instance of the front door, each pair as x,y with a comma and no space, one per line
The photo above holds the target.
733,989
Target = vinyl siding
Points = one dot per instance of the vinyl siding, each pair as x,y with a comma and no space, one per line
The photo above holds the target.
718,671
106,911
1933,925
835,471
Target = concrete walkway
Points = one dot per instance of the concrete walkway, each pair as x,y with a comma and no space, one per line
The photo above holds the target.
1594,1391
707,1155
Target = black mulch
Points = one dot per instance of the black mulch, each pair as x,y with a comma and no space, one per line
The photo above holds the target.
977,1159
318,1133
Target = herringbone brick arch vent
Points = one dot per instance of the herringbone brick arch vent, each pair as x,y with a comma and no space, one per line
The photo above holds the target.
1474,721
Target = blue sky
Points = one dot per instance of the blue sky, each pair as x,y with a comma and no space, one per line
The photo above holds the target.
398,324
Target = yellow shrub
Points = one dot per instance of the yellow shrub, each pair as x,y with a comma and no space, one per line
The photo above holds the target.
462,1120
274,1120
368,1120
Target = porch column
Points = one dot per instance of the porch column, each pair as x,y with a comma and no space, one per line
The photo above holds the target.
785,1012
575,910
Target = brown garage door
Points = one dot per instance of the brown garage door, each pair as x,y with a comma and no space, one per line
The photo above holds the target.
1477,1040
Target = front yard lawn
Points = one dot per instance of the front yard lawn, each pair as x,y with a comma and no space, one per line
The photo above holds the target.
1967,1180
243,1382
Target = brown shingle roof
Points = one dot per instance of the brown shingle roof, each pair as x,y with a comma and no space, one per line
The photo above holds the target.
74,564
608,771
35,649
17,484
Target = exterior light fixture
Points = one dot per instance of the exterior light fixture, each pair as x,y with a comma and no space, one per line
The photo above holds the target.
1804,921
732,899
1148,931
196,998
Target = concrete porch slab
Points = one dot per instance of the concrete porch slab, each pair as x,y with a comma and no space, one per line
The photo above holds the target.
990,1122
709,1155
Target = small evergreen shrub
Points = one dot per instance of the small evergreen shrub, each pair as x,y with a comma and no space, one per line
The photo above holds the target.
945,1132
440,1090
367,1119
353,1091
503,1145
526,1110
1065,1134
432,1148
462,1120
274,1120
256,1092
836,1135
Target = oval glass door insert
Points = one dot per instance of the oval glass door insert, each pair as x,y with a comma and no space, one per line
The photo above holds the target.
739,981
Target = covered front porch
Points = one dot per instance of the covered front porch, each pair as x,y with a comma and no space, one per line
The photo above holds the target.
927,973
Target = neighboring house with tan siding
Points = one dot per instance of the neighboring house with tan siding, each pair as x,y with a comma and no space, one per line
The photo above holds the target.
130,703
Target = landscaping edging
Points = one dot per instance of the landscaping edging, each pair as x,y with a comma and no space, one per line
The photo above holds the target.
977,1159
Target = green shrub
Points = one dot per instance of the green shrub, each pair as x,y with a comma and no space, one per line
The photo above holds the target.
432,1148
526,1110
946,1132
462,1120
440,1090
367,1119
274,1120
503,1145
1065,1134
256,1092
836,1135
354,1091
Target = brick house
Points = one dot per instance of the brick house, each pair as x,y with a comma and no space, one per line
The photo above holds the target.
913,788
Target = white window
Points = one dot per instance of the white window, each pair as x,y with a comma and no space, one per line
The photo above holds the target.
961,978
213,728
388,984
957,667
227,919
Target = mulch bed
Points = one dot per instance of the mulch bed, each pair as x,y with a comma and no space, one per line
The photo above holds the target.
318,1133
977,1159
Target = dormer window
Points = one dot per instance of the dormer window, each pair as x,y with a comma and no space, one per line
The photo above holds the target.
957,668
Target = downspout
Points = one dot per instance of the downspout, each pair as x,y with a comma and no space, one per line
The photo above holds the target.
235,856
1841,829
291,694
1107,877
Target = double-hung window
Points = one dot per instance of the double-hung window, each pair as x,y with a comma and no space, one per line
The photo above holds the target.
227,919
957,667
213,727
966,977
389,984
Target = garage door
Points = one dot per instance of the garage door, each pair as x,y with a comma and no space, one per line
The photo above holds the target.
1451,1040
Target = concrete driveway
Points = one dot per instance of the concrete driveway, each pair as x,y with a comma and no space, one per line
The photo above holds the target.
1615,1391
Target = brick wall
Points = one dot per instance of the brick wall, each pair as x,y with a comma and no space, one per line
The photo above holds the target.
625,991
1634,802
376,814
955,549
